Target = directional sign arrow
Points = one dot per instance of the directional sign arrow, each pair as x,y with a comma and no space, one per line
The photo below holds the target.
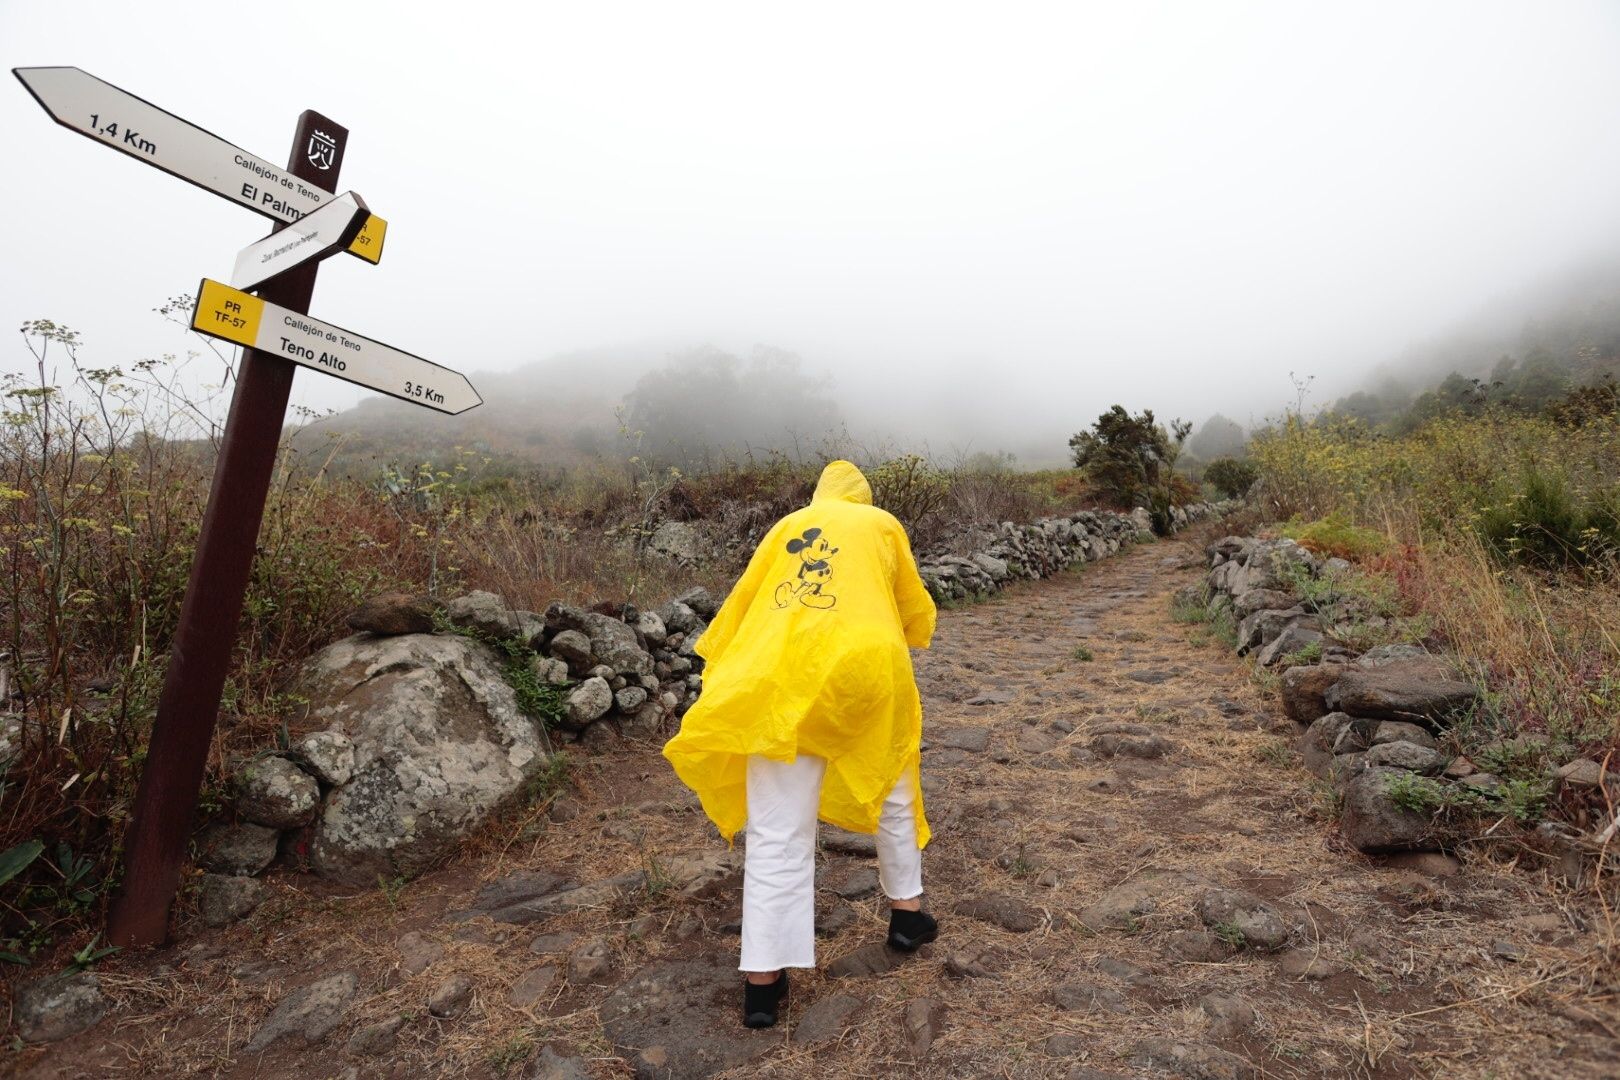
314,236
233,315
81,102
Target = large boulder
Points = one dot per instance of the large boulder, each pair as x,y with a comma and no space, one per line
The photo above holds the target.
440,743
1422,690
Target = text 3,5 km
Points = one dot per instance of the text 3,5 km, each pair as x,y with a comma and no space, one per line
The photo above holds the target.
131,138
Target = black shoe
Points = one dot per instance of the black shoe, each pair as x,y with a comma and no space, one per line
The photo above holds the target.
911,930
760,1002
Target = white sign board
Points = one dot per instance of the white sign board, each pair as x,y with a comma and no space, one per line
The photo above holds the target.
314,236
80,101
233,315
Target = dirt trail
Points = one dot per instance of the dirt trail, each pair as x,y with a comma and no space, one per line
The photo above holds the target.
1438,970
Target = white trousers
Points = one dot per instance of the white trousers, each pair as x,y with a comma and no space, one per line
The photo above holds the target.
779,863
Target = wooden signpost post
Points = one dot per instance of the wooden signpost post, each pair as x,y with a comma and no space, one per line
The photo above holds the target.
278,337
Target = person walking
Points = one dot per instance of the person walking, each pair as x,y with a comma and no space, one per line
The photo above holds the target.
810,711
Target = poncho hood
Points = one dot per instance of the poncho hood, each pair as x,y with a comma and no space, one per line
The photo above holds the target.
842,480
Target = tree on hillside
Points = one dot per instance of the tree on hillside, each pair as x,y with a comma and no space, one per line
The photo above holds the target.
1129,457
1219,437
707,405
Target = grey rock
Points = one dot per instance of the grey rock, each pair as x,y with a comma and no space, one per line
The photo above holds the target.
701,601
1229,1016
923,1022
827,1018
1126,904
664,1019
1371,820
573,648
650,625
973,739
1194,1061
678,542
1303,690
1389,731
58,1007
532,986
440,744
485,613
841,840
394,613
1260,924
553,944
1583,773
1137,746
1080,995
1403,755
857,884
328,755
417,952
1307,964
549,670
226,898
678,618
614,644
273,791
308,1014
588,702
589,960
1198,946
376,1039
237,849
1319,741
867,960
1255,600
1295,637
552,1066
1004,911
992,697
1380,655
1263,627
1150,676
518,888
451,997
1419,690
630,699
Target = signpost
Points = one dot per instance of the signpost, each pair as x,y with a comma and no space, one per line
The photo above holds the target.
81,102
233,315
311,238
279,336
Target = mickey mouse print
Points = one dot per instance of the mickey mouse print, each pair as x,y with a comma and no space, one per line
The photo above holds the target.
815,570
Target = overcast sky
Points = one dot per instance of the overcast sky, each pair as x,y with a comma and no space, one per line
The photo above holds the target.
1167,205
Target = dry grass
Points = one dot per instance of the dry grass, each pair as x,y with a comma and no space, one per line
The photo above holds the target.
1421,995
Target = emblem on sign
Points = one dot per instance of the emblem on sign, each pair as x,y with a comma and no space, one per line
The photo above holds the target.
321,149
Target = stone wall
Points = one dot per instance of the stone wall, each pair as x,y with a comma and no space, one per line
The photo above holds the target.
1012,552
1385,727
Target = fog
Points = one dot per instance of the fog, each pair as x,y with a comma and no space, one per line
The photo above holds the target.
988,223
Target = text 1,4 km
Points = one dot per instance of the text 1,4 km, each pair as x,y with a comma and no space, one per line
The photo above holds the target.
426,393
127,137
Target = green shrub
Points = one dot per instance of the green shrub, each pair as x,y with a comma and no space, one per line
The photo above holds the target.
1231,476
1336,537
1544,521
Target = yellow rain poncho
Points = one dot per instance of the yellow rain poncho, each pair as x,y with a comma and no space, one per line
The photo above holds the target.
810,654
